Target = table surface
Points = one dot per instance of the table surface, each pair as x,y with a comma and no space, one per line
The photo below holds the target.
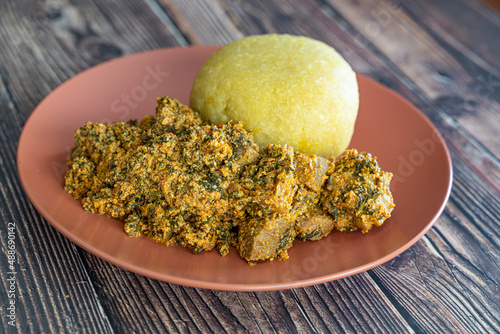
443,56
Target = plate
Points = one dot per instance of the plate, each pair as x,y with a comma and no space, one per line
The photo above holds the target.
403,139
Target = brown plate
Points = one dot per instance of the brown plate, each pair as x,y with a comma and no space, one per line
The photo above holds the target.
388,126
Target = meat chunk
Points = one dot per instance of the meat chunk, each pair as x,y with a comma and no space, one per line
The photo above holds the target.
270,183
314,224
310,170
357,192
310,175
245,150
266,238
172,116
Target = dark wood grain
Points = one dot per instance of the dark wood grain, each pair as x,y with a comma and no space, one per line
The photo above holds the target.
495,4
442,56
51,287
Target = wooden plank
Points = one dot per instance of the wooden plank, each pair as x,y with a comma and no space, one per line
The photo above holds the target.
68,39
349,305
456,262
474,35
494,4
444,277
454,85
44,301
480,49
202,21
138,304
160,306
45,45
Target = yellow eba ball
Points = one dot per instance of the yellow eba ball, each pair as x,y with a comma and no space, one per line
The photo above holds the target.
289,90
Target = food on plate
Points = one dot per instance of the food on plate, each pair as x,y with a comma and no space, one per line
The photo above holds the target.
357,192
181,181
290,90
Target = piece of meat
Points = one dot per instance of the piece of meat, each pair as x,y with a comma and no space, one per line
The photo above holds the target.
245,150
310,170
270,182
314,224
266,238
173,116
357,192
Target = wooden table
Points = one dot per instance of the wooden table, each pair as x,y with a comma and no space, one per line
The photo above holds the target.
443,56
